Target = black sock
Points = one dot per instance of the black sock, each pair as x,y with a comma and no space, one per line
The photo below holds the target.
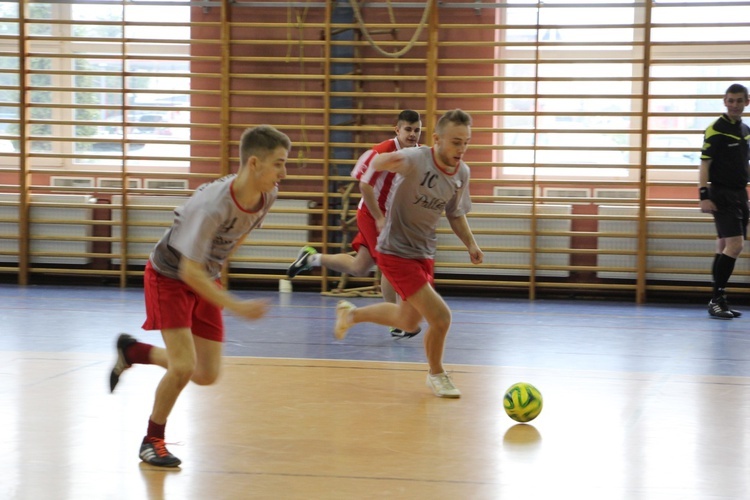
713,266
724,268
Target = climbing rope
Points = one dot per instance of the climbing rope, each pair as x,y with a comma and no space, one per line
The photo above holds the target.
303,152
373,43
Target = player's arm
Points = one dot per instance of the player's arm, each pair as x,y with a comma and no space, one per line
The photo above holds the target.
195,276
392,162
368,194
366,181
707,206
363,162
460,227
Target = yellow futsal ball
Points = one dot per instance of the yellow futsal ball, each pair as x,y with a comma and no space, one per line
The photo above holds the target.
523,402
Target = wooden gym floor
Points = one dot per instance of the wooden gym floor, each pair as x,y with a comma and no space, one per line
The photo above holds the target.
641,402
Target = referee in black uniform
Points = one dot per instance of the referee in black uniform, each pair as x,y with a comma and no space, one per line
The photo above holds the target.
722,189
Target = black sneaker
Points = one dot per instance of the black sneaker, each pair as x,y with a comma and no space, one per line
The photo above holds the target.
736,314
400,334
123,341
154,452
302,263
718,308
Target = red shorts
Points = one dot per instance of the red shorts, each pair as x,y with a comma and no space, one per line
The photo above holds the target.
368,233
407,276
170,303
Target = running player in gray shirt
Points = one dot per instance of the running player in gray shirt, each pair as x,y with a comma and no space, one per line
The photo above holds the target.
430,181
184,297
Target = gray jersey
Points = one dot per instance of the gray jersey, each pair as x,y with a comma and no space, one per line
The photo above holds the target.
421,193
207,228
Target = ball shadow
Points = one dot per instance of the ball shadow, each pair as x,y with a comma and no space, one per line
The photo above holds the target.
522,436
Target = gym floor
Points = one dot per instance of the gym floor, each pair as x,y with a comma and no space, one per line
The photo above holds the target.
640,402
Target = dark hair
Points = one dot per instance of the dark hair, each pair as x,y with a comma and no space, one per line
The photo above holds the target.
736,88
457,117
408,116
260,141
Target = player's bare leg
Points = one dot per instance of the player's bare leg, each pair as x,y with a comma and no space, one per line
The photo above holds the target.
390,295
357,265
181,361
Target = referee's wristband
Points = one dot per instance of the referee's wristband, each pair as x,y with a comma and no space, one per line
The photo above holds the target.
703,193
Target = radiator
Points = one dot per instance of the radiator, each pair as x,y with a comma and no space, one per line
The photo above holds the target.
274,241
56,240
145,226
261,248
515,261
9,228
697,237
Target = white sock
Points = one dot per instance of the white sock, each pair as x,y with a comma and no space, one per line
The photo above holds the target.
315,260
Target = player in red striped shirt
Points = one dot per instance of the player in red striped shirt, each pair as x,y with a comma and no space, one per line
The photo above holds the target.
376,189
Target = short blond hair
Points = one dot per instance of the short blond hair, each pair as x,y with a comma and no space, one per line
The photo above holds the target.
457,117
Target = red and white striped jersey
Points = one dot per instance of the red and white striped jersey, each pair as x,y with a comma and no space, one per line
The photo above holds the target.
381,182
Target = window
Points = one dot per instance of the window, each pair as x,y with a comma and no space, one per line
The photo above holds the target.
575,88
96,100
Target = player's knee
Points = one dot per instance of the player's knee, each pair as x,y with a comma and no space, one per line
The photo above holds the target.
205,377
440,322
734,250
182,373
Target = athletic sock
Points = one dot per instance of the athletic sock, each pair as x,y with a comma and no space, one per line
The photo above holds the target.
724,268
315,260
713,266
138,353
155,430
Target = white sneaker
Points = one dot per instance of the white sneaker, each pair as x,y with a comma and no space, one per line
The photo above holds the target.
442,385
343,318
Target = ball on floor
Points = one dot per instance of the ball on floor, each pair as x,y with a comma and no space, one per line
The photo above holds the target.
522,402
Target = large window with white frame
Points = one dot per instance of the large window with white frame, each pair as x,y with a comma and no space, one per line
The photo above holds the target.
585,84
107,84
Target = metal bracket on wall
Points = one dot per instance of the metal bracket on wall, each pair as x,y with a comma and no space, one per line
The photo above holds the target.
207,4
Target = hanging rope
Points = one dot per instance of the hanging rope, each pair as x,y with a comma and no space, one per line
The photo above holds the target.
301,17
373,43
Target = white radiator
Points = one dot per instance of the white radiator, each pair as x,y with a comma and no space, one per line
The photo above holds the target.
500,225
273,241
47,237
146,226
693,236
9,236
627,243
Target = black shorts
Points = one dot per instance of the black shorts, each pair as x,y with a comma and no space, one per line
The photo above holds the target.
732,214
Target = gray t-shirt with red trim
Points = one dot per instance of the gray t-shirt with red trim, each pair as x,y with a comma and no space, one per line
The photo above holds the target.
207,228
420,194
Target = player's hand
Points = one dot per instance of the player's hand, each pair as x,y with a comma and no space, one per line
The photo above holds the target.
380,224
708,206
251,309
476,254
